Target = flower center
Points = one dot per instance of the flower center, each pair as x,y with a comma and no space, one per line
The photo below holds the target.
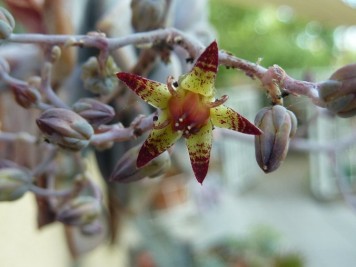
189,113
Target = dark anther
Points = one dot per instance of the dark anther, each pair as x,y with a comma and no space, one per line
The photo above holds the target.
155,118
189,60
175,84
284,94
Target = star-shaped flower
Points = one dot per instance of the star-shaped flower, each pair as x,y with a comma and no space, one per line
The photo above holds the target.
189,109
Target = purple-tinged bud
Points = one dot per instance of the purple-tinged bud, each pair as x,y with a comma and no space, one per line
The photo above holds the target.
339,92
14,182
99,81
7,23
94,111
278,125
79,211
26,96
126,170
65,128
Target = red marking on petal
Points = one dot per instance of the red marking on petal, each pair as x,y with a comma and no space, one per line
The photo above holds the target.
209,59
146,154
200,167
155,93
245,126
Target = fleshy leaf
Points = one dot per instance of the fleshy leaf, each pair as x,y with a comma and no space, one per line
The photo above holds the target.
155,93
199,147
225,117
201,78
159,140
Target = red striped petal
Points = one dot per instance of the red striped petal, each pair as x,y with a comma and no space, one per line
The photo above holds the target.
155,93
159,140
225,117
201,78
199,147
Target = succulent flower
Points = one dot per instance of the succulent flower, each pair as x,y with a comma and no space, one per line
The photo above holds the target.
126,170
79,211
94,111
339,92
65,128
7,23
188,109
99,81
14,182
278,126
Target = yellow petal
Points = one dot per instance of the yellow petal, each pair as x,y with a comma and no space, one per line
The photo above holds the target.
225,117
155,93
159,140
201,78
199,147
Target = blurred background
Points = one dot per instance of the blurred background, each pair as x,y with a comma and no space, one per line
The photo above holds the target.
303,214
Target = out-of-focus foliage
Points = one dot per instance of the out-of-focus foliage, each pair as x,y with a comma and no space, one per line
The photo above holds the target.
276,35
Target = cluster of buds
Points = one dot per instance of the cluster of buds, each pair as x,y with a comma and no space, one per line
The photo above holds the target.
65,128
126,169
14,181
278,126
339,92
99,80
94,111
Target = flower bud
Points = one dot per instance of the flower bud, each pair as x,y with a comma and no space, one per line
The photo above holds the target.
94,111
92,228
65,128
14,182
126,170
339,92
79,211
26,96
99,81
148,14
278,125
7,23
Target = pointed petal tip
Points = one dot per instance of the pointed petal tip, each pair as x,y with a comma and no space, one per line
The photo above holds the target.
254,131
200,170
144,157
124,76
209,59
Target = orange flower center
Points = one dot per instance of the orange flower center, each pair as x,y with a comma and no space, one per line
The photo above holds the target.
189,113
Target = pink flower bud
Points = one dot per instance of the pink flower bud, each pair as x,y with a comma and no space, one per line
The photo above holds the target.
278,125
126,170
94,111
25,96
339,92
79,211
65,128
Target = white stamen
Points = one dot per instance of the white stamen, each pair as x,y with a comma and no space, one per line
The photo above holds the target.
180,119
186,132
176,124
189,127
